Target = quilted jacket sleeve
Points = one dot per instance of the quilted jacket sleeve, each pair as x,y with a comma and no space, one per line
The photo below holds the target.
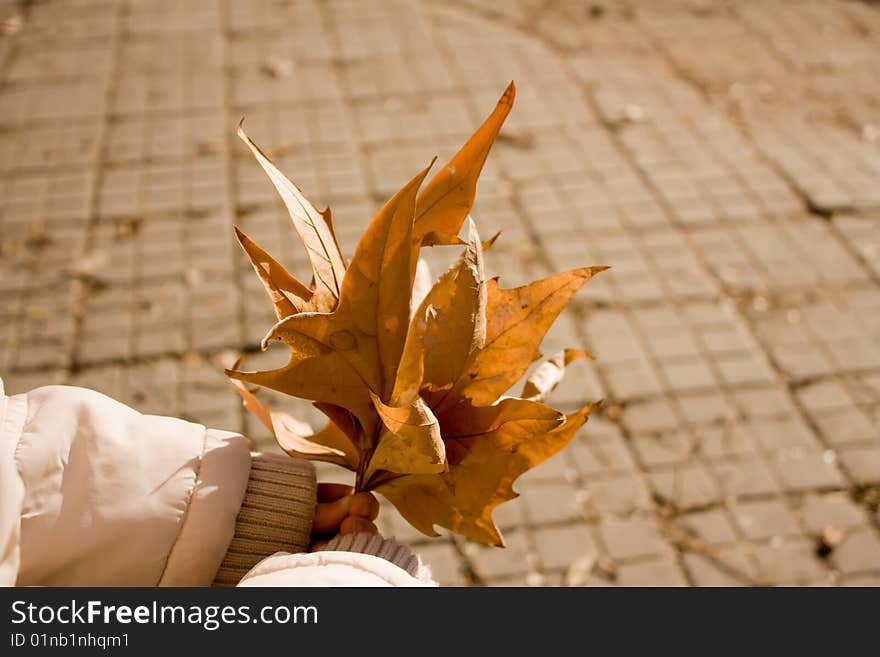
93,493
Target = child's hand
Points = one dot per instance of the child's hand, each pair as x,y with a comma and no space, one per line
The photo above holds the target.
339,511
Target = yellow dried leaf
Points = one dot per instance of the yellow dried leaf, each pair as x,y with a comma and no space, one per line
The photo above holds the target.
313,228
369,326
549,375
422,284
319,373
288,295
455,322
412,376
296,438
517,435
411,442
342,418
449,196
517,320
446,239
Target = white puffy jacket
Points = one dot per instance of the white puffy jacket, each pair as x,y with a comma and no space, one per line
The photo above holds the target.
94,493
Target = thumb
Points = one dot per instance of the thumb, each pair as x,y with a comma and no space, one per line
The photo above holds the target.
330,515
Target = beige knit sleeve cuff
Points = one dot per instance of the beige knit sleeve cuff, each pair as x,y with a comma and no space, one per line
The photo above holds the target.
276,514
386,548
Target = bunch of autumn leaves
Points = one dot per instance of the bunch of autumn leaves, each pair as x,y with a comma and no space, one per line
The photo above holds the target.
414,382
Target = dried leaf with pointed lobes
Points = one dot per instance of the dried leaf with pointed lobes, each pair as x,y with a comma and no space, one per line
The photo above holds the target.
313,228
454,329
296,438
422,284
327,214
343,356
518,436
411,372
544,380
288,295
469,299
517,320
318,373
341,417
370,324
449,196
253,405
445,239
412,376
411,442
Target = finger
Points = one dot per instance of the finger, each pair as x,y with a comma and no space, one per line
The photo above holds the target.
329,515
355,525
364,505
333,492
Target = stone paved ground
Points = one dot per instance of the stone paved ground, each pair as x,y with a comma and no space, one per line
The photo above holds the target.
723,157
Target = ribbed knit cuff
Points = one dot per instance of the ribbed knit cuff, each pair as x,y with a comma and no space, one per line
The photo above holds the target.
276,514
386,548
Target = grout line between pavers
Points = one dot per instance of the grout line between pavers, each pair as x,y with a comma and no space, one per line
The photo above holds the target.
721,286
851,483
82,291
230,198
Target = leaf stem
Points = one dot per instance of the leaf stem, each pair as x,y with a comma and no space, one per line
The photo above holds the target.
367,448
361,472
